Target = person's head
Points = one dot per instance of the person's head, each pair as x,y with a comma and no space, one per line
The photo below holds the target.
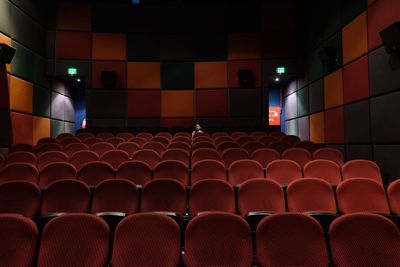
198,127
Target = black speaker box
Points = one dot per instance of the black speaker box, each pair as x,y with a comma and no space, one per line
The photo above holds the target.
6,53
246,78
109,79
391,38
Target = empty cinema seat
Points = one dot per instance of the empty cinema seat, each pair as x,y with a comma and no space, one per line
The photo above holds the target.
218,239
283,171
2,161
393,193
48,147
204,154
257,135
138,172
69,140
180,145
146,136
265,155
147,239
253,146
280,146
19,172
101,148
161,139
128,147
46,140
172,169
267,140
84,136
182,139
95,172
115,141
18,241
204,144
231,155
61,236
115,157
291,139
290,239
56,171
92,140
324,169
226,145
20,197
177,154
165,195
244,139
331,154
155,146
243,170
238,134
63,136
208,169
21,157
105,135
223,139
299,155
361,195
22,147
140,141
125,135
70,196
361,239
166,135
115,196
151,157
75,147
211,195
361,168
80,158
51,157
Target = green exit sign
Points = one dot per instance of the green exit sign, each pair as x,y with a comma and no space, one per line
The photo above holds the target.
280,70
72,71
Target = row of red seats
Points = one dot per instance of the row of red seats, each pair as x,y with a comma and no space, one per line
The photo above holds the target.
211,239
140,172
257,195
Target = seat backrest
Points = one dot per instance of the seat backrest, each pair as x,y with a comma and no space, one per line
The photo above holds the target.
177,154
290,239
324,169
198,139
180,145
309,195
128,147
21,157
361,168
94,172
92,140
63,136
56,171
51,157
61,236
361,195
80,158
280,146
208,169
253,146
155,146
140,141
19,172
115,196
265,155
244,139
104,135
291,139
231,155
258,135
146,136
161,139
22,147
203,154
299,155
237,135
69,140
101,148
172,169
218,239
164,134
222,139
138,172
243,170
20,197
115,157
277,134
40,149
115,141
164,195
66,196
75,147
283,171
218,134
393,193
308,145
182,134
2,161
211,195
151,157
364,240
18,241
183,139
84,136
147,239
125,135
332,154
267,140
226,145
260,195
204,144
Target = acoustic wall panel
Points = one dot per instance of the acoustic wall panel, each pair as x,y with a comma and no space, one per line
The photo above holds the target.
98,104
212,103
5,133
146,123
244,46
177,122
316,94
290,105
314,67
283,46
245,102
386,156
57,127
357,122
144,75
144,104
41,128
74,16
302,102
333,89
304,128
211,75
209,47
177,75
5,16
108,46
117,17
334,126
4,92
235,66
22,28
69,110
355,39
317,128
57,106
5,40
21,125
176,47
69,127
358,152
73,45
23,62
177,103
21,94
292,127
143,47
39,72
114,66
350,9
335,43
41,101
107,123
355,80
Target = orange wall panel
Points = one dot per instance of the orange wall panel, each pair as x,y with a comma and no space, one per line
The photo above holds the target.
244,46
333,88
317,128
21,94
355,38
74,16
211,75
177,103
41,128
144,75
108,46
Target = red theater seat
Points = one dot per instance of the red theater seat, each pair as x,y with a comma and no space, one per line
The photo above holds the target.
18,242
92,140
226,145
203,144
331,154
222,139
125,135
61,236
19,172
101,148
211,195
180,145
116,196
48,147
104,136
155,146
265,155
115,141
218,134
2,161
323,169
237,135
146,136
244,139
253,146
360,240
231,155
115,157
198,139
63,136
291,239
177,154
75,147
184,139
393,193
208,169
21,157
138,172
183,134
280,146
361,168
56,171
172,169
80,158
161,139
129,147
69,140
283,171
151,157
46,140
165,135
146,239
22,147
267,140
203,154
95,172
20,197
243,170
218,239
299,155
291,139
51,157
84,136
258,135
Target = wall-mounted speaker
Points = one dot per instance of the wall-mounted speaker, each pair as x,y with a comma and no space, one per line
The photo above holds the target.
246,78
6,53
391,38
109,79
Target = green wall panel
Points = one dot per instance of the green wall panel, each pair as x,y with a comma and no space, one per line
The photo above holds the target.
22,64
41,101
5,17
57,127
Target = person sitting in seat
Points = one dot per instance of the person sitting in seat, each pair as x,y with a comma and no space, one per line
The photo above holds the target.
197,130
